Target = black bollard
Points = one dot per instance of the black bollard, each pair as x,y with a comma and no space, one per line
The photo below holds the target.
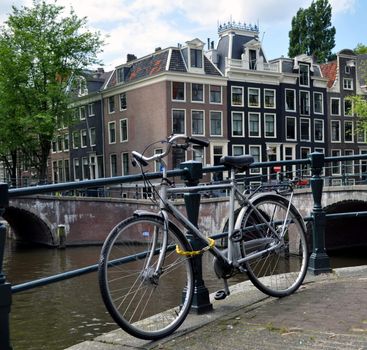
319,260
201,302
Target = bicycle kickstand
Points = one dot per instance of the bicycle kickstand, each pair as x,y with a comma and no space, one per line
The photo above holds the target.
222,293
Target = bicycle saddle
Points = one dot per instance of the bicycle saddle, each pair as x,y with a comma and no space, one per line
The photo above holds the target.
237,162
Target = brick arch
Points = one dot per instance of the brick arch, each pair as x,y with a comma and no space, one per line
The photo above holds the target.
346,232
28,227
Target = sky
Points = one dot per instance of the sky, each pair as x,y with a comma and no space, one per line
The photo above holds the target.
140,26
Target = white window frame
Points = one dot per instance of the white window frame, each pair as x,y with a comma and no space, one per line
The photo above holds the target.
192,120
127,129
308,74
122,93
109,132
338,172
122,163
351,151
322,102
275,125
348,122
345,109
184,97
301,92
258,123
91,109
221,95
197,101
331,105
347,84
221,123
111,98
184,113
294,100
82,133
82,114
242,96
331,131
248,97
239,146
295,128
275,98
76,163
111,155
255,170
323,130
90,136
309,129
243,123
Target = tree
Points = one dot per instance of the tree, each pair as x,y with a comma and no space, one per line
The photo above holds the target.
311,32
40,49
360,49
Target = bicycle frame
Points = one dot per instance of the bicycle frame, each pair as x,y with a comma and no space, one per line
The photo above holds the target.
166,206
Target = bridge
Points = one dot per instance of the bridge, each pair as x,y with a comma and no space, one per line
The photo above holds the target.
88,220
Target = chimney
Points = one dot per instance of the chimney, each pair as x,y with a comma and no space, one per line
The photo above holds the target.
208,43
130,57
158,49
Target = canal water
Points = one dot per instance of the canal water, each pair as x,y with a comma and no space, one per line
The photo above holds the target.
65,313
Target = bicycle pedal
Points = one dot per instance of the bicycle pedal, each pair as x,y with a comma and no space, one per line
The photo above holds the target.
220,295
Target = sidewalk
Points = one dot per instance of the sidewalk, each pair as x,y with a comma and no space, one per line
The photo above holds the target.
328,312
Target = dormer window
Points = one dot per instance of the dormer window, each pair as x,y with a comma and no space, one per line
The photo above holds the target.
196,58
120,75
304,75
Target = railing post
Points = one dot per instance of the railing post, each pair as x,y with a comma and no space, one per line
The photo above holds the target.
201,302
5,288
319,260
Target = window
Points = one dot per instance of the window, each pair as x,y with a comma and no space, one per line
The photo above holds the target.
347,69
291,128
123,105
347,84
198,154
196,58
253,97
112,132
305,129
335,169
111,104
91,110
197,118
335,131
76,168
178,121
318,130
349,164
361,136
215,123
125,163
92,136
123,130
178,156
59,143
269,121
238,150
120,75
237,124
269,98
66,142
305,151
255,151
54,145
82,113
348,107
178,91
67,170
76,139
157,164
215,94
304,97
252,59
85,168
113,164
83,137
318,103
348,131
304,79
197,92
335,106
290,100
254,125
237,96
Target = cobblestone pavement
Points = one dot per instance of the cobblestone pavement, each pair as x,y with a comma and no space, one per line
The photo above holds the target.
327,312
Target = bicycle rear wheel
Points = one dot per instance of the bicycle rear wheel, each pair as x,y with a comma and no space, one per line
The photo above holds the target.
279,271
146,303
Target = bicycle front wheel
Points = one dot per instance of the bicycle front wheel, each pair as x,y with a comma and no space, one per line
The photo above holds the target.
146,301
281,267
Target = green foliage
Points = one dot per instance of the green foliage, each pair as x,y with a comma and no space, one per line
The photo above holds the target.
311,32
40,49
359,104
360,49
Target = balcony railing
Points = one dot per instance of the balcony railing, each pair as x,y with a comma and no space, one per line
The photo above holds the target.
232,63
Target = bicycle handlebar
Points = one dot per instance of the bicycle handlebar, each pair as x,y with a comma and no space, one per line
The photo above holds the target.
172,141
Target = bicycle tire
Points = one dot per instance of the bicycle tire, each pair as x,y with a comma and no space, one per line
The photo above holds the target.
279,272
145,305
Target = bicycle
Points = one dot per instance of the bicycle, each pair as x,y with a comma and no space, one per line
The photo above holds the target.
147,257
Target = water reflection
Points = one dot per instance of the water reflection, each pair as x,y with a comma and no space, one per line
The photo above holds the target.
68,312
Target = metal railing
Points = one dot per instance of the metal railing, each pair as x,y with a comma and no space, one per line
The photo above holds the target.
318,262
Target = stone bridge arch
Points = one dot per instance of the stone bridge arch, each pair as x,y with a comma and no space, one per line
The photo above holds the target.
28,227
